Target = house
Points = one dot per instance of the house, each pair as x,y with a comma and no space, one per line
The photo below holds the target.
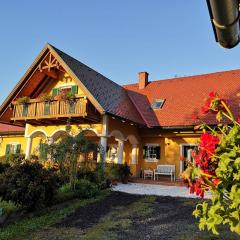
143,124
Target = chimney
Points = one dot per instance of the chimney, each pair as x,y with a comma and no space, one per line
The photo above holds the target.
142,80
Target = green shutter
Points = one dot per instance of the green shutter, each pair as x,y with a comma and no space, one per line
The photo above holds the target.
43,151
8,149
54,92
74,89
18,149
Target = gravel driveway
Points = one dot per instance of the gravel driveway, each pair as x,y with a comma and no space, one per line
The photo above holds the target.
155,189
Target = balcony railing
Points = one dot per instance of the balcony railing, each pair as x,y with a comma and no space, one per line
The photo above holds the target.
38,109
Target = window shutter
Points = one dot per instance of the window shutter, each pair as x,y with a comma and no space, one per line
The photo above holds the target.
74,89
8,149
18,149
145,148
43,151
158,152
54,92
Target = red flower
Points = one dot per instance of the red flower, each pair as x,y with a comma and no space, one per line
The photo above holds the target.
198,187
213,103
206,150
238,119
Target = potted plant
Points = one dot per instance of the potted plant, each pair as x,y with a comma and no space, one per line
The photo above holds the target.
46,98
124,173
23,100
66,96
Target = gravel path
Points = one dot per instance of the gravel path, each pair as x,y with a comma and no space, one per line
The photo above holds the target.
152,189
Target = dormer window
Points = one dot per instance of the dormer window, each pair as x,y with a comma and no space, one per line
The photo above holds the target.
158,103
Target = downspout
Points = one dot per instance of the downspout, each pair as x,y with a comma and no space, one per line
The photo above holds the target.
224,16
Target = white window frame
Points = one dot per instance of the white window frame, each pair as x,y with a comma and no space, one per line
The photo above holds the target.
161,101
64,87
151,159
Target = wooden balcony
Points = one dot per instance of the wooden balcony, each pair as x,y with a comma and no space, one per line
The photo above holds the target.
36,110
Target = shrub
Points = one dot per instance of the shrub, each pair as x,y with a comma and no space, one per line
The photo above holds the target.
3,167
65,193
124,172
86,189
15,159
83,189
112,171
90,175
28,185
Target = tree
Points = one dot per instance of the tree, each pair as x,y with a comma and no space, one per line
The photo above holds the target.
67,152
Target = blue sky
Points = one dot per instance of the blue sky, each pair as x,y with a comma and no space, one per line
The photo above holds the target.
116,38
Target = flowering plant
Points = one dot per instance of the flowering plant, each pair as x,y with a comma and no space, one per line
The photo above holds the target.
46,98
216,168
23,100
66,96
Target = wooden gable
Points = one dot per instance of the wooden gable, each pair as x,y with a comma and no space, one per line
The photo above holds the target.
46,73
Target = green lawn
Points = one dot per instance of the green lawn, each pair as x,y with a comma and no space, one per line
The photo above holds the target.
21,229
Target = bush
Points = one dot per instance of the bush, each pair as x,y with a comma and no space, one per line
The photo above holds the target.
3,167
90,175
124,172
83,189
65,193
15,159
28,185
86,189
112,171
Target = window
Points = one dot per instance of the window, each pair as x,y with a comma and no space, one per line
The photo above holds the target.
65,89
13,148
151,152
158,103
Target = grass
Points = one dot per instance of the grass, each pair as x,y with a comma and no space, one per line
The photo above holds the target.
106,229
8,207
120,218
23,228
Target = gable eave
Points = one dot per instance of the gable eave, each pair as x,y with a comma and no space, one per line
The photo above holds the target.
23,79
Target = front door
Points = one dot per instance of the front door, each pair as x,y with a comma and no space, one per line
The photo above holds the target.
186,152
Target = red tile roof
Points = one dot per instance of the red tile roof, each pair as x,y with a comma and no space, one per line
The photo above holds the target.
184,98
5,128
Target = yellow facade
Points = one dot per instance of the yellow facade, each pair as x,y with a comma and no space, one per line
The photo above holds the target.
170,145
119,133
